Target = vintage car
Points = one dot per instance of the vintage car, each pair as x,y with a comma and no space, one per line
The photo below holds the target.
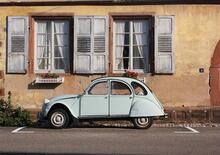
106,98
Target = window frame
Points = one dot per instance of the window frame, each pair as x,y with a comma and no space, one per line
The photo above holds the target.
128,86
93,85
131,45
52,59
131,16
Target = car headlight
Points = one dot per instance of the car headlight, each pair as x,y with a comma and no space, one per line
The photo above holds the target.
46,101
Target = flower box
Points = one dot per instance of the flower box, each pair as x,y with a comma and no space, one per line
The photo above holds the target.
49,80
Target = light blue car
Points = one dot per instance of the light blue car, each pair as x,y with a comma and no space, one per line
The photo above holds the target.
106,98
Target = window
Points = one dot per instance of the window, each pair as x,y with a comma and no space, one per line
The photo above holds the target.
138,89
118,88
90,44
100,88
131,45
52,48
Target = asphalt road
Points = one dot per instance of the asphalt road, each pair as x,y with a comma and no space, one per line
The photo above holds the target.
108,141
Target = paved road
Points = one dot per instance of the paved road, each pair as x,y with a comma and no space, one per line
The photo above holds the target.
108,141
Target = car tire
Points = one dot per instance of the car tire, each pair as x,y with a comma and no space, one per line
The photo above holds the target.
142,122
59,118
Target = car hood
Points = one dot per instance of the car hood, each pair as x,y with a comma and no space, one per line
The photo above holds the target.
63,97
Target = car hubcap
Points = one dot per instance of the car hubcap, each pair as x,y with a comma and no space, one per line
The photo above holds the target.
58,119
143,121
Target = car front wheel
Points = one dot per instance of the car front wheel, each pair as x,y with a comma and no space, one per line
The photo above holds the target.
58,118
142,122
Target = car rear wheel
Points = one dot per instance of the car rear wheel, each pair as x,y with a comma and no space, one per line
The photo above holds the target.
142,122
58,118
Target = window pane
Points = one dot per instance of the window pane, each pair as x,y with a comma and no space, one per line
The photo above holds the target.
118,88
43,63
99,26
60,51
61,40
61,27
42,27
59,63
84,26
122,39
140,39
42,52
100,88
140,51
122,51
122,64
122,26
138,89
138,63
140,26
127,26
42,40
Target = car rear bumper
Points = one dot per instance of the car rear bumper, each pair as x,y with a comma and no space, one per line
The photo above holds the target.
165,116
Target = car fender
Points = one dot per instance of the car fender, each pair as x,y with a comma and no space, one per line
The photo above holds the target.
68,104
146,108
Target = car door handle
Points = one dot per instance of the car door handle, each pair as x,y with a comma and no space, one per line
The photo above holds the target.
106,97
130,97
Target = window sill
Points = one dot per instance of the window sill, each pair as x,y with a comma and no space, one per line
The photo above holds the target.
49,80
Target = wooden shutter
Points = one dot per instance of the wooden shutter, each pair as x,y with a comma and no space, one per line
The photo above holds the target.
89,49
17,46
164,48
100,44
82,44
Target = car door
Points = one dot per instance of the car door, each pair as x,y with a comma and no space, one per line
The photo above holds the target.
121,98
95,102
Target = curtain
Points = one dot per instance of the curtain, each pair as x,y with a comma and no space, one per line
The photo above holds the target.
42,45
120,28
61,45
141,35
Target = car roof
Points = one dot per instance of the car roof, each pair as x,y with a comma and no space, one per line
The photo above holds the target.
125,79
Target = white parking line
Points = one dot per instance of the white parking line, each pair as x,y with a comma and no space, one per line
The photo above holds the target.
189,128
18,130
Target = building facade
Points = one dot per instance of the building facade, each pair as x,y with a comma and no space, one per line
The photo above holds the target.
170,44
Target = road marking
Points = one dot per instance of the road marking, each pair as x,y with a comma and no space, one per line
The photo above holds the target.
18,130
191,130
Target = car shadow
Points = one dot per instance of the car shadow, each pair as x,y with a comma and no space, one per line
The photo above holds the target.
91,124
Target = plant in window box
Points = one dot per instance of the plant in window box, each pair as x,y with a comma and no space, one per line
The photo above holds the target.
49,78
130,74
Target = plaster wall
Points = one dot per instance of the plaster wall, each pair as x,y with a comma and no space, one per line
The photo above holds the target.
196,35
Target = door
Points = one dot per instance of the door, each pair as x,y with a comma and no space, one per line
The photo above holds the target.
215,77
95,102
121,98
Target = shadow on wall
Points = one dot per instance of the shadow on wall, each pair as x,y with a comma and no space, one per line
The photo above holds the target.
34,85
214,77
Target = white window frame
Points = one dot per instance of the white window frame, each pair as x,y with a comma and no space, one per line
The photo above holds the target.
131,33
51,54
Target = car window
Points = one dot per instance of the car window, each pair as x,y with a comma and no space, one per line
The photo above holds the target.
118,88
138,88
100,88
